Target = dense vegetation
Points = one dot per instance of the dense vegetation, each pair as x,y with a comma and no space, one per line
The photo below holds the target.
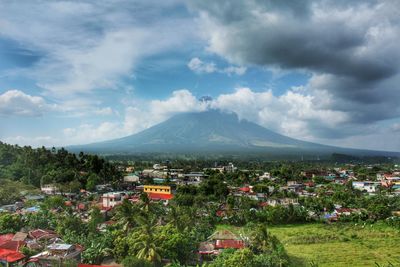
149,233
42,166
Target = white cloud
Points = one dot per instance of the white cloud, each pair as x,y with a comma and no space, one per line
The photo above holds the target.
143,115
36,141
89,133
97,67
199,66
83,47
17,103
294,113
104,111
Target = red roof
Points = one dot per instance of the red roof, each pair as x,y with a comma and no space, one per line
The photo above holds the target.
40,233
229,243
5,238
12,245
342,210
158,196
220,213
10,256
245,189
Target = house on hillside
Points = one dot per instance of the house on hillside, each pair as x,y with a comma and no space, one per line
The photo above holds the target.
55,255
158,192
193,178
49,189
219,240
367,186
11,258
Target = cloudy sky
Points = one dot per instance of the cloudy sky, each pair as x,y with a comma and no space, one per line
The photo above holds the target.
77,72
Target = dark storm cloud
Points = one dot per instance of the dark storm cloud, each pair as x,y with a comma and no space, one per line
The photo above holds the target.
322,36
350,47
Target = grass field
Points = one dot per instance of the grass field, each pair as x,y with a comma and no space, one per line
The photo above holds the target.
338,244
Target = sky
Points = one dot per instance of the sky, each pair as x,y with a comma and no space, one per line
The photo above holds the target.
77,72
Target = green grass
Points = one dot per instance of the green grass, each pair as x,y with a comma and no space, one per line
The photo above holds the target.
337,244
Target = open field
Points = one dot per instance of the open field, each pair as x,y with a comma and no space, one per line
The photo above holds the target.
338,244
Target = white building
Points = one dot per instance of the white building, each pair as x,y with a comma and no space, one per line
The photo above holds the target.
110,200
368,186
49,189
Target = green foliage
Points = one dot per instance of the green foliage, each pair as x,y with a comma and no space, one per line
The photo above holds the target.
53,202
231,258
95,219
135,262
41,166
178,246
143,241
43,219
69,224
10,223
12,191
92,181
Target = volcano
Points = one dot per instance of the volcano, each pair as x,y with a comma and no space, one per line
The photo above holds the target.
213,131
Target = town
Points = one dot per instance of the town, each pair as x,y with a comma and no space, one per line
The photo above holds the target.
182,213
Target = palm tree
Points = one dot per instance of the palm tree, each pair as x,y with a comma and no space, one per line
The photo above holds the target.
125,215
145,241
260,239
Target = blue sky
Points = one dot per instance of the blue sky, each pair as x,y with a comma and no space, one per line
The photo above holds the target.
75,72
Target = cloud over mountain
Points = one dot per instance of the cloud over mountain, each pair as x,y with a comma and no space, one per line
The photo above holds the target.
349,48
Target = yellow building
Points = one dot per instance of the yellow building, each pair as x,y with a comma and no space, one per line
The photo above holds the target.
159,189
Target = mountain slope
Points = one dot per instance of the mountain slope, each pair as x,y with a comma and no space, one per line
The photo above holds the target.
210,131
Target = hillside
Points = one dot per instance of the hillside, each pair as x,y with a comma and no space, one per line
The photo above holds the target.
213,132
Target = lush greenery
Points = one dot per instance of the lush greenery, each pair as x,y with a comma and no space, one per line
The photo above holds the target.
342,244
58,166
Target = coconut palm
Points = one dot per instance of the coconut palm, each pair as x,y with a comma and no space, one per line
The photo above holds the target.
144,242
125,215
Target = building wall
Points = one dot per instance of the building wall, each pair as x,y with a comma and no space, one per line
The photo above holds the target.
160,189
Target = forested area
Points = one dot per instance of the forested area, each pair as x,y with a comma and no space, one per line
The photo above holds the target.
42,166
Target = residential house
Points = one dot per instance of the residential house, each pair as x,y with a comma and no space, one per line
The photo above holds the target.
11,258
49,189
218,241
158,192
368,186
55,255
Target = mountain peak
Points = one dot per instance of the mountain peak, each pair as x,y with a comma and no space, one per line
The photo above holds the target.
211,131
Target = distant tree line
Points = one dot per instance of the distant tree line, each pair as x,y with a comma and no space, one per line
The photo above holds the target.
36,166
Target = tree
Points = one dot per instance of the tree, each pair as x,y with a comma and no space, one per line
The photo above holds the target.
143,240
97,250
177,246
124,215
92,181
42,219
95,219
260,238
231,258
10,223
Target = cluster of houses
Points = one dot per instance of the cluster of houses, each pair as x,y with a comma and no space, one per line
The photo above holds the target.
54,251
